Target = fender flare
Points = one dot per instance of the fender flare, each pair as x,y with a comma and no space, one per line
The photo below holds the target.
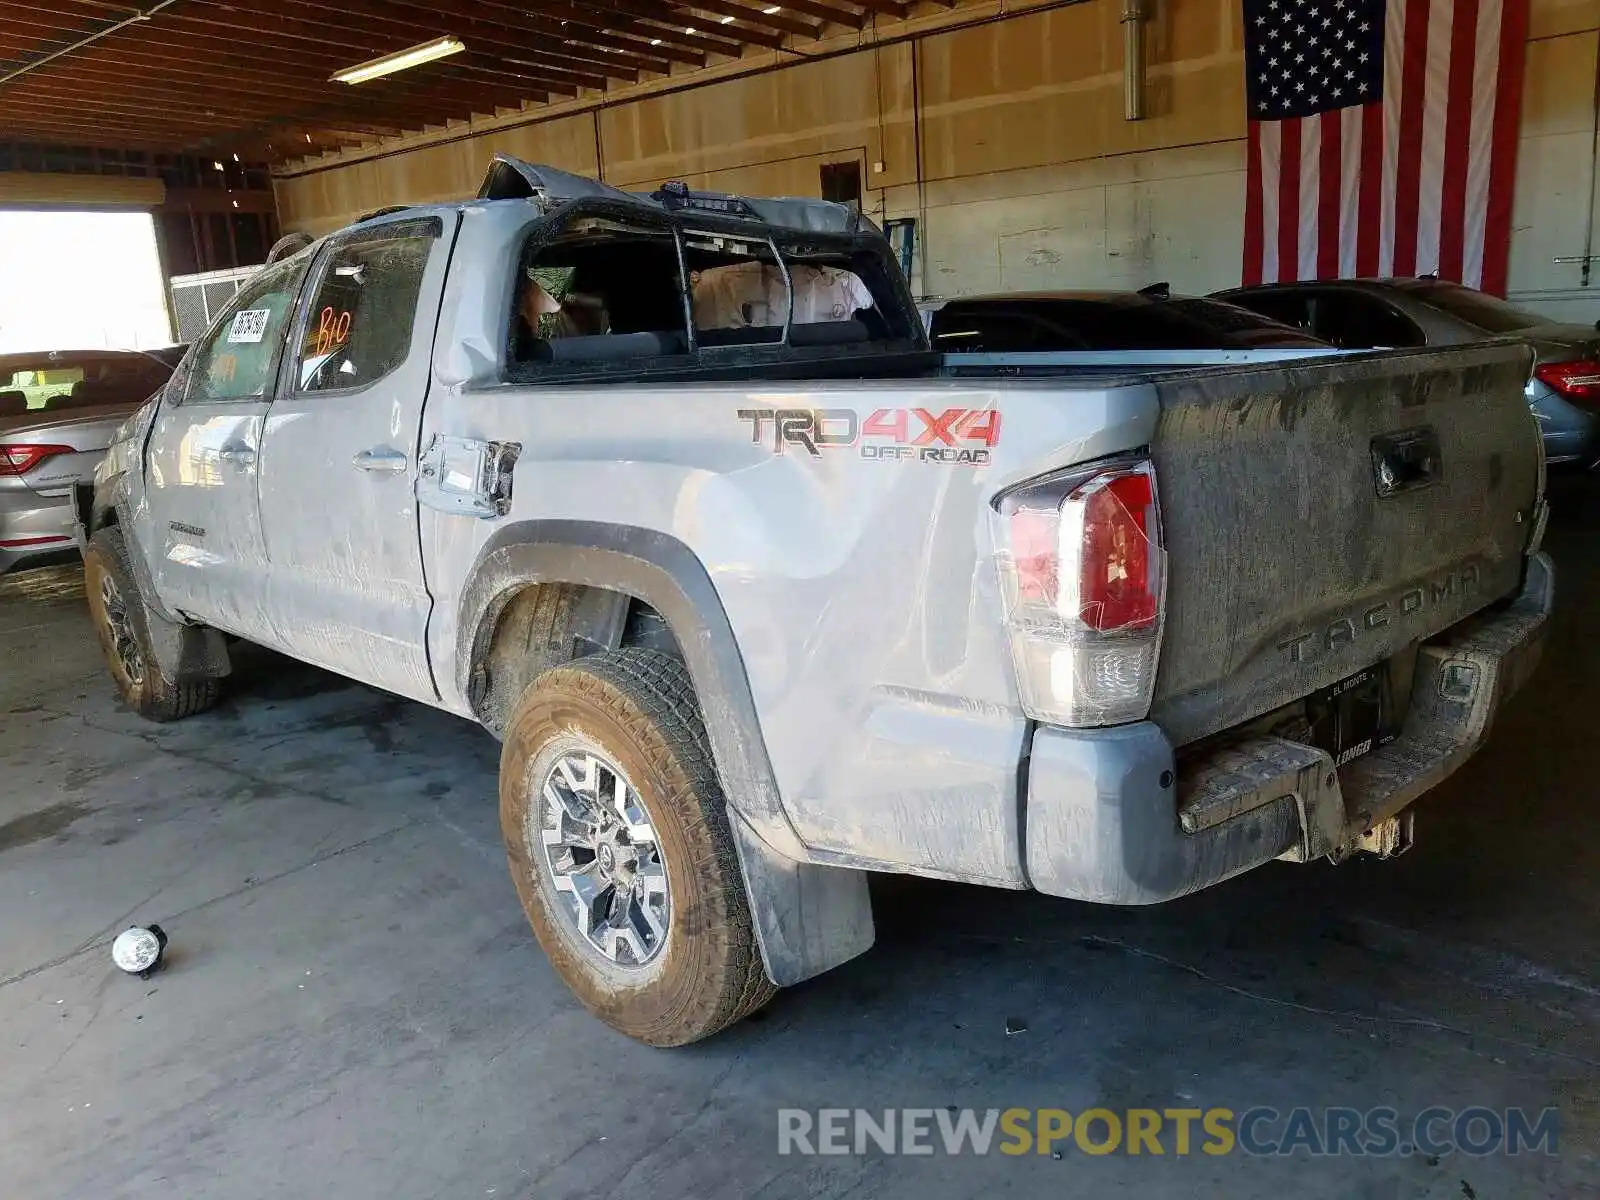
181,650
808,917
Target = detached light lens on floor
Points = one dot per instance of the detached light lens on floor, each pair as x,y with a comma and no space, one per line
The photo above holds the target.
138,951
400,60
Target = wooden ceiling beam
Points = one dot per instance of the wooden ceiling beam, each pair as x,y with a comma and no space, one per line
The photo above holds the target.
112,73
227,72
139,106
288,43
90,129
711,37
761,20
580,28
475,22
833,13
636,19
261,50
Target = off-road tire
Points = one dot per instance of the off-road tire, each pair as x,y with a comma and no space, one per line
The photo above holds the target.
638,707
153,695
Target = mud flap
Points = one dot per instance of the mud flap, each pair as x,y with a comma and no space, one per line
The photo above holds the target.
187,651
808,919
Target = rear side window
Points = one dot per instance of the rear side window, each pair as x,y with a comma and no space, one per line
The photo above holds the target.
359,322
1354,320
238,360
983,329
68,381
1287,307
1240,326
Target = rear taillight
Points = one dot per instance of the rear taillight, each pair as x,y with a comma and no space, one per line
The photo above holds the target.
1577,381
20,459
1083,573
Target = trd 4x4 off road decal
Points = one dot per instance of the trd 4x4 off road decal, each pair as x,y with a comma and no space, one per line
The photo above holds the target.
956,435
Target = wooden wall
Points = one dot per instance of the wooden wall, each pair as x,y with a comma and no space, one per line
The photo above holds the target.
1006,140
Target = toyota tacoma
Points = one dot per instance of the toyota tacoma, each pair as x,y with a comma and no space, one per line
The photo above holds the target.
760,595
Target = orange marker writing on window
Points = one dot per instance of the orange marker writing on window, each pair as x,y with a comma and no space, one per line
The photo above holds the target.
332,330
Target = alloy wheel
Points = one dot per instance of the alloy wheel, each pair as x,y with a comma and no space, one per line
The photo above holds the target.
120,626
603,857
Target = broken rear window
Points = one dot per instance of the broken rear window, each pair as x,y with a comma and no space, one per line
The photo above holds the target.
607,292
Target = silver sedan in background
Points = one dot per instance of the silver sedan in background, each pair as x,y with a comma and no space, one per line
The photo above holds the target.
1363,314
58,411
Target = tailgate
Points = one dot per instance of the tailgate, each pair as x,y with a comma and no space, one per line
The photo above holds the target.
1318,518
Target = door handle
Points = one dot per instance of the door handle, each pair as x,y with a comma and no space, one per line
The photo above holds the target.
1405,460
382,459
237,455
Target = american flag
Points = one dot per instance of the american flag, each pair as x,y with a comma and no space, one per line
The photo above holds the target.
1383,137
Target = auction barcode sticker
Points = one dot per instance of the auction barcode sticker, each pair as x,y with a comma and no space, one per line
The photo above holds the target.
249,325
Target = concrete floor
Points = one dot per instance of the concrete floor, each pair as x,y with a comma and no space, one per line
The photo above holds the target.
355,1007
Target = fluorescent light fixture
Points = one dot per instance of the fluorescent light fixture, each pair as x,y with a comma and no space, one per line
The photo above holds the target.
400,60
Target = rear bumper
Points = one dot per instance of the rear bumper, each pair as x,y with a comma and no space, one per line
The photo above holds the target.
33,526
1109,820
1571,434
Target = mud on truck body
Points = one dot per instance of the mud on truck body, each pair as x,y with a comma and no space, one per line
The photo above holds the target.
762,603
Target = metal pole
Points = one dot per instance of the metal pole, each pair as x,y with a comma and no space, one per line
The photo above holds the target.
1133,20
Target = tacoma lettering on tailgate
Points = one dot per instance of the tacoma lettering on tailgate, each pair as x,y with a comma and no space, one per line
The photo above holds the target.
1460,582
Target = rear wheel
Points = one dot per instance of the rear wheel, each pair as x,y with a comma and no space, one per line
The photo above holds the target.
618,840
117,608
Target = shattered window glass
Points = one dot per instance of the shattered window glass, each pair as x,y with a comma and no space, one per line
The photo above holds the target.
239,359
358,327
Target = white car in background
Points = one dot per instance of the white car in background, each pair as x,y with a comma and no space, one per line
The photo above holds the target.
58,412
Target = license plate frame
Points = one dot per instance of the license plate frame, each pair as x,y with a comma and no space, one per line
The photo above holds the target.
1354,716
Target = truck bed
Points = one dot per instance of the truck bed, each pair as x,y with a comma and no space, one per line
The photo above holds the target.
857,571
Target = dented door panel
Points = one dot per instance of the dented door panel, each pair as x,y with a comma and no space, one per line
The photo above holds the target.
340,461
207,556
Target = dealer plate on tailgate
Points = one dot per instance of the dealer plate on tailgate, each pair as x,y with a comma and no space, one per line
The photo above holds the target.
1354,715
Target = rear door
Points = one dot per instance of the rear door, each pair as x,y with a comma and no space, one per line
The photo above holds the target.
1321,517
204,460
339,458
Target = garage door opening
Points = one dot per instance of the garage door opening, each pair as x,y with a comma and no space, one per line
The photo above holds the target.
80,281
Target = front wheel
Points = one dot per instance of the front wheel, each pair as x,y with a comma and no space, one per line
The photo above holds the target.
619,846
117,609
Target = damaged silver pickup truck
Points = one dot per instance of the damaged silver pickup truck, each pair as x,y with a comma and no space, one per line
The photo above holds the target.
670,495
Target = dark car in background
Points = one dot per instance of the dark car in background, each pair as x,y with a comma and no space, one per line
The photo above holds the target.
1362,314
1153,319
58,413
